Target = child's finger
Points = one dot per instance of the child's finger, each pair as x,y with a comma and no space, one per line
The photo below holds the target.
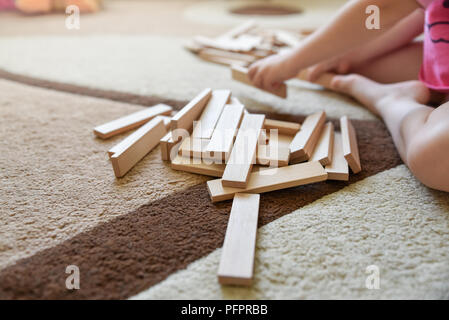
267,83
343,67
315,71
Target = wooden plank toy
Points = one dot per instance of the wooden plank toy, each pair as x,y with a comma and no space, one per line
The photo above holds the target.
166,120
350,147
324,80
241,74
223,61
283,127
164,143
208,120
237,256
222,139
243,154
242,43
276,153
338,169
323,149
131,121
133,148
192,147
198,166
264,137
288,38
271,180
209,53
304,142
192,46
239,30
191,111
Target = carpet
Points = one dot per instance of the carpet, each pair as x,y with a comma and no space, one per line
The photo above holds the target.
154,234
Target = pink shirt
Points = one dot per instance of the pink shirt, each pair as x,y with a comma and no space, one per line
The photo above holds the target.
6,4
435,68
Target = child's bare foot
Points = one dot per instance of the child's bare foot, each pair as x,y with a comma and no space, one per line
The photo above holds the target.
372,94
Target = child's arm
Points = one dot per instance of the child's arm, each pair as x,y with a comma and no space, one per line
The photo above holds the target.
398,36
344,33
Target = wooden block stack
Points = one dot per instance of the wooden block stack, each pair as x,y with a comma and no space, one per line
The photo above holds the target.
215,136
243,44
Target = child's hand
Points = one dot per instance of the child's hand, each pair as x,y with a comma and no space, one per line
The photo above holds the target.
271,72
338,65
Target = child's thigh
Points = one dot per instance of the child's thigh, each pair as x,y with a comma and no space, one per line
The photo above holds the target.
400,65
429,152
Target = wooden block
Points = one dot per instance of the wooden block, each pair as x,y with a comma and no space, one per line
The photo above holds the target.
131,121
241,74
283,127
167,121
170,147
259,54
304,142
222,139
205,126
203,167
239,30
338,169
243,154
192,46
164,147
223,61
323,149
288,38
257,168
192,147
167,143
263,137
350,147
191,112
303,158
324,80
237,256
276,153
242,43
136,146
271,180
209,53
117,147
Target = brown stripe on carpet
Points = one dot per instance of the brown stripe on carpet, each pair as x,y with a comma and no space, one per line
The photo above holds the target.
92,92
123,257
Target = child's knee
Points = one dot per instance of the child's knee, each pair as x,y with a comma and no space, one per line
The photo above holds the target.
428,156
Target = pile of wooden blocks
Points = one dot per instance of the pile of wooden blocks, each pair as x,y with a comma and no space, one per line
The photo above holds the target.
243,45
214,135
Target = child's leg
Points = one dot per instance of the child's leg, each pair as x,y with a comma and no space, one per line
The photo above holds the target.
420,133
400,65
